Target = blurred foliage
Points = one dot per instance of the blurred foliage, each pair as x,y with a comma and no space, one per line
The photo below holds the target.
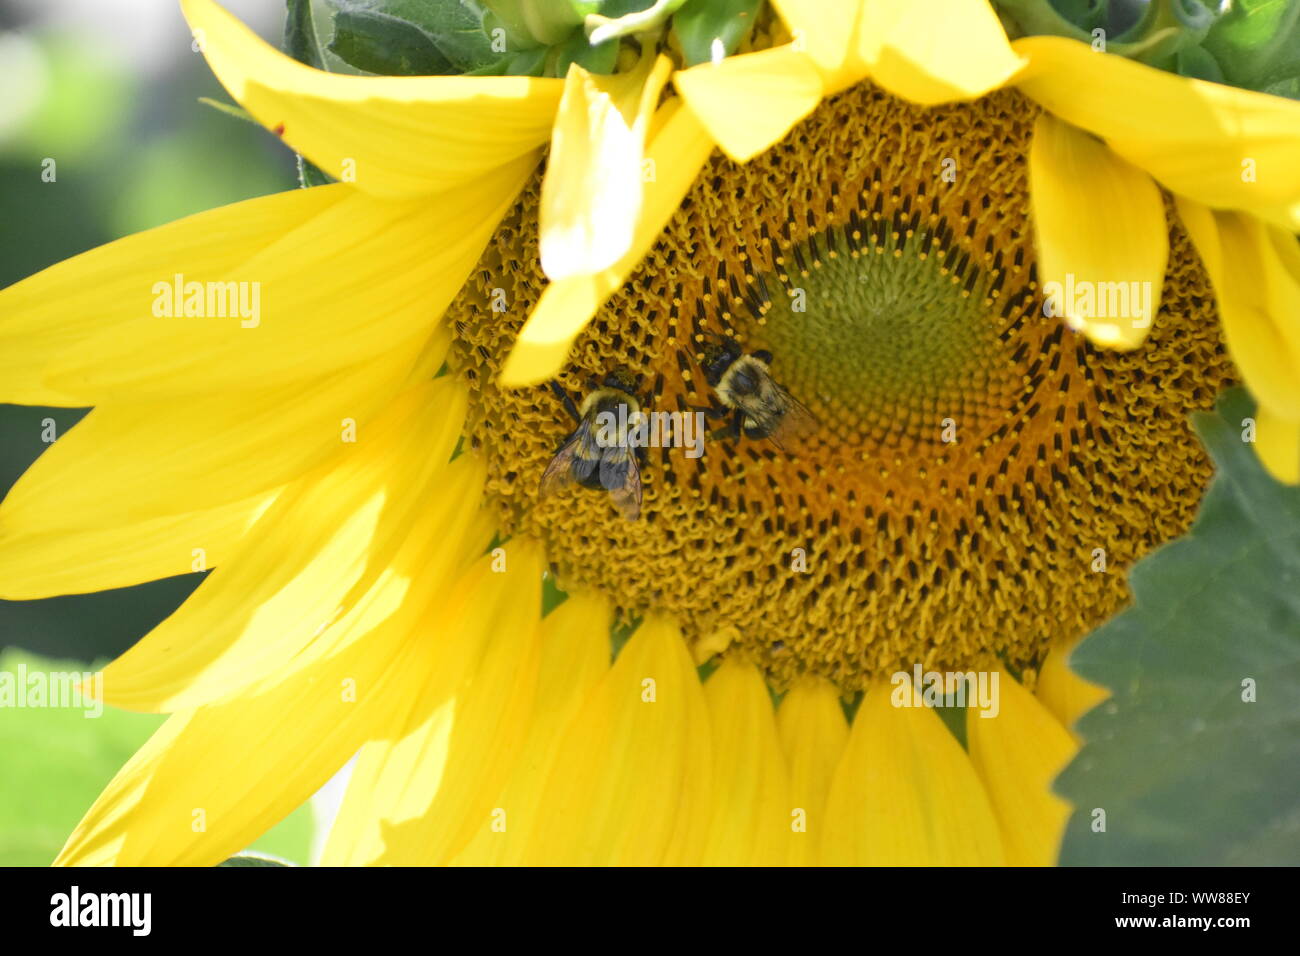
49,786
130,152
132,149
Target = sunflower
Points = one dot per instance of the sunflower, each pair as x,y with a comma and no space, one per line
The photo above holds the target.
897,202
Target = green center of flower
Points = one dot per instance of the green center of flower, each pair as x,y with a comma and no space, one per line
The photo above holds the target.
881,326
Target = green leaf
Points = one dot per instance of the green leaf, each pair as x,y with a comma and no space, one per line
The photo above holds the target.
1187,770
701,23
379,43
454,27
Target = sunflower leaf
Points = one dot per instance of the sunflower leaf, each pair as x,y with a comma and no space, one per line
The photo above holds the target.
379,43
454,29
1195,759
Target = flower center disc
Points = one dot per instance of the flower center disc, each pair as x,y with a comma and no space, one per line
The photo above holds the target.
980,477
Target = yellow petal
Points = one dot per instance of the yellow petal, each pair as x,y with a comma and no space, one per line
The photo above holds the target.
42,317
1099,225
575,657
933,51
1017,751
1222,146
1063,692
420,798
905,793
192,795
75,561
392,136
748,102
678,148
323,554
825,30
751,801
1257,285
123,464
1277,441
591,196
813,733
355,281
631,779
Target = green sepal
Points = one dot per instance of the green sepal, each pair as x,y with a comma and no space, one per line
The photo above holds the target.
1162,29
601,58
701,23
300,40
1250,44
616,20
524,63
1199,64
309,174
1257,44
547,22
300,43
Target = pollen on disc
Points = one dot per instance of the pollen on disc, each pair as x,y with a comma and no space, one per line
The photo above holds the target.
971,454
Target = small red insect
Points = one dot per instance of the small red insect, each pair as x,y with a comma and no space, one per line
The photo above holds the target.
279,130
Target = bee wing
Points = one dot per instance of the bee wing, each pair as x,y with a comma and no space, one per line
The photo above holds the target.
621,477
560,471
795,425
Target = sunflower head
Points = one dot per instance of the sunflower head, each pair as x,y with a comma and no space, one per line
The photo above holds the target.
916,313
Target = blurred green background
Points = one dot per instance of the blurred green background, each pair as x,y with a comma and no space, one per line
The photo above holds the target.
109,90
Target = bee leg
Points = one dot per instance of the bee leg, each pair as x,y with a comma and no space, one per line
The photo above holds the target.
710,411
565,400
763,356
732,428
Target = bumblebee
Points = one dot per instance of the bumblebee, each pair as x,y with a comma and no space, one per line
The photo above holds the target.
759,407
595,455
